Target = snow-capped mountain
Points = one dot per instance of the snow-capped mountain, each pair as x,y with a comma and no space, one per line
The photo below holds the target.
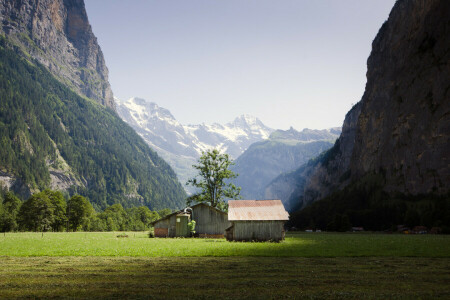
181,145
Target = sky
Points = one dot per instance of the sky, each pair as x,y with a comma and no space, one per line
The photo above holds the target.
287,62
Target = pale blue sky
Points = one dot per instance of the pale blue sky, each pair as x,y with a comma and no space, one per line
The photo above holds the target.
289,63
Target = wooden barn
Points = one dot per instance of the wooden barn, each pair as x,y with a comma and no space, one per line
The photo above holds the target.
210,222
256,220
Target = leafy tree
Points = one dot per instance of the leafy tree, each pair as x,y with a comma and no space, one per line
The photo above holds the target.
79,210
146,215
59,209
214,180
96,224
8,215
139,218
164,212
115,216
36,214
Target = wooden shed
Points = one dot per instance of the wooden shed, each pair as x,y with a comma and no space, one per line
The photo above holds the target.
256,220
210,222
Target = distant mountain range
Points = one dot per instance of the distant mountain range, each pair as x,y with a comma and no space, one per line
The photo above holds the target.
284,151
181,145
262,153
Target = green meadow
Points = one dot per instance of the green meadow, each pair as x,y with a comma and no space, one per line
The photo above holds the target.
295,245
305,265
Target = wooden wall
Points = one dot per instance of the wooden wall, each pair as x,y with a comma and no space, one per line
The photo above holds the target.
168,223
209,220
258,230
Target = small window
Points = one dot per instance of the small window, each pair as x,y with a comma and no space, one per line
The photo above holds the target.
178,220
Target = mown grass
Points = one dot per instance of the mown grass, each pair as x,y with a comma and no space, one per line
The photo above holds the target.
295,245
305,265
224,277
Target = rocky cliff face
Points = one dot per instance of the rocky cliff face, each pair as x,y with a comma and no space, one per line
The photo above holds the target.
57,33
404,127
400,128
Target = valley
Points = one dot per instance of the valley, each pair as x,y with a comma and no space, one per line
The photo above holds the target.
93,196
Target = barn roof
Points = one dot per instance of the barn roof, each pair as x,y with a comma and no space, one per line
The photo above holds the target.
256,210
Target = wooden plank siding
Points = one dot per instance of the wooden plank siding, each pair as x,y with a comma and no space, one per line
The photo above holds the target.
209,220
168,223
258,230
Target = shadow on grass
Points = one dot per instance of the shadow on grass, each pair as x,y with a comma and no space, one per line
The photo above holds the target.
223,277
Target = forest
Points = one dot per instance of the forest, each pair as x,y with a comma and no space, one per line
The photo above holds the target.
46,128
53,211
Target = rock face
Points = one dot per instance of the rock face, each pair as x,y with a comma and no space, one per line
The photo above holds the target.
57,33
404,126
400,128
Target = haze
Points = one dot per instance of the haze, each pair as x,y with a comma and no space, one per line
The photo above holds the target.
289,63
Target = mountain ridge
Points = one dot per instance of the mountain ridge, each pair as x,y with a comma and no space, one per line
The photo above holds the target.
283,152
58,35
181,145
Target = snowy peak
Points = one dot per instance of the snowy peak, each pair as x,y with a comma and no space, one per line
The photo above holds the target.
161,130
143,109
246,121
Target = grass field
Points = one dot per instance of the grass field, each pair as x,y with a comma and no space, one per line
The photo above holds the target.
295,245
342,266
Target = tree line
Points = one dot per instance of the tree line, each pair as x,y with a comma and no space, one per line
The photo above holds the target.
51,211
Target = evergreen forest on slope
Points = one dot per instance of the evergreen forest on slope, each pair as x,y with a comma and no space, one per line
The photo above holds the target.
45,127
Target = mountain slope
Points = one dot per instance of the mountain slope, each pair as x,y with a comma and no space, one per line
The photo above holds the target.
57,34
51,137
284,151
396,162
181,145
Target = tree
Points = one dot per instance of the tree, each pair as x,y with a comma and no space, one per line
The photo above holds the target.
163,212
115,217
214,180
36,214
8,217
146,216
79,210
139,218
59,209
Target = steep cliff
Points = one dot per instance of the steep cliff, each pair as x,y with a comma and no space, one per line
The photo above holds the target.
58,35
396,139
404,127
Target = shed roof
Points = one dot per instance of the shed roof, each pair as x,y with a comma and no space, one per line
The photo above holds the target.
256,210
